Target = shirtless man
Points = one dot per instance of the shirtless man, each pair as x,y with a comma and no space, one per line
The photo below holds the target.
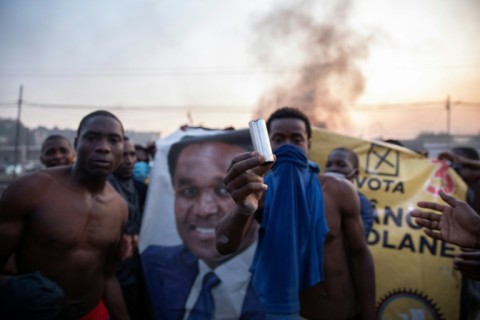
346,292
64,226
343,163
56,151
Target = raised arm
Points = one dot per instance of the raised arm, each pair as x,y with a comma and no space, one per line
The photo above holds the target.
458,224
474,164
363,270
244,182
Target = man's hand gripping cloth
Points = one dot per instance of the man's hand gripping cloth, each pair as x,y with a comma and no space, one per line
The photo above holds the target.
290,251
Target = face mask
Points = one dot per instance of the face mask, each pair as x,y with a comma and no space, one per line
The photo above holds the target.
140,171
340,175
336,174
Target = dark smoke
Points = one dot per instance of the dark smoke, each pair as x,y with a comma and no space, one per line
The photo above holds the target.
325,52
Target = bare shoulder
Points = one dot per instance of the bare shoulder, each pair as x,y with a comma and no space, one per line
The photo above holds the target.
336,185
341,194
33,184
24,194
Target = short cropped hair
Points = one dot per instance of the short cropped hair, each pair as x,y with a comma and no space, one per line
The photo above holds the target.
289,112
98,113
55,137
353,156
240,138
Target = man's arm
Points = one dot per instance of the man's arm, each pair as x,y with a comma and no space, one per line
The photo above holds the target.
473,165
244,182
113,296
468,263
363,270
16,203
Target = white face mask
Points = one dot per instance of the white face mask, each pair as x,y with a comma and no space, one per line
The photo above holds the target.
336,174
339,174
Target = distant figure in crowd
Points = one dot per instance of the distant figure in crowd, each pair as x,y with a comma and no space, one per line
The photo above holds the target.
57,151
192,280
64,226
128,268
296,269
343,163
141,169
466,162
141,153
395,142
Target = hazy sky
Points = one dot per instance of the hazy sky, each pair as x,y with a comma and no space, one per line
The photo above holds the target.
366,68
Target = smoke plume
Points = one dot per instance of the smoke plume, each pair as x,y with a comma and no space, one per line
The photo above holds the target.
324,52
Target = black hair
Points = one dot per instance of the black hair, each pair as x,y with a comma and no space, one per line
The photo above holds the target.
394,141
140,147
466,152
54,137
239,138
289,112
98,113
353,156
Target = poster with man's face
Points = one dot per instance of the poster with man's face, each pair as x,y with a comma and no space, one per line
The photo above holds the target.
186,199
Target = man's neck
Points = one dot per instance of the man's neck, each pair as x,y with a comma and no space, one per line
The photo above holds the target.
93,183
122,179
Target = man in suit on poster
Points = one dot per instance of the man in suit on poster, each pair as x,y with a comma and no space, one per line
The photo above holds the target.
183,277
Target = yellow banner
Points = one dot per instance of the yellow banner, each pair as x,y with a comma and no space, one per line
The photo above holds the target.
414,273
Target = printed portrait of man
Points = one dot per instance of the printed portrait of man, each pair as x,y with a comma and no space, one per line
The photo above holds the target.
190,279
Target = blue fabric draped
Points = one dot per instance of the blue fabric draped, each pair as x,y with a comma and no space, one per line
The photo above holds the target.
289,255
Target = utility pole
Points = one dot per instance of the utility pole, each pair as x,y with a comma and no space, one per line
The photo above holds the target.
17,133
449,136
448,115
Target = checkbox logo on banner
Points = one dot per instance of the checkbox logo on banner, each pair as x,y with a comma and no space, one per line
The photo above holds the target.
382,161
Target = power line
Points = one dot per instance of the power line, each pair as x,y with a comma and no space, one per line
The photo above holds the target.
173,108
161,72
399,107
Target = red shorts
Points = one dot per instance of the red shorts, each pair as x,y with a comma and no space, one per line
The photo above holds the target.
98,313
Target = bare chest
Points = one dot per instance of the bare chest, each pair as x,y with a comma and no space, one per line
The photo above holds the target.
68,219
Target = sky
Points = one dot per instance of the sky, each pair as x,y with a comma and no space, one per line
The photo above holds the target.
370,68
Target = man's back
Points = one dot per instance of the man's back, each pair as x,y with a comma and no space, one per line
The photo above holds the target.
68,233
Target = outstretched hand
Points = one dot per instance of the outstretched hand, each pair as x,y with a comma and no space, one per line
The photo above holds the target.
458,224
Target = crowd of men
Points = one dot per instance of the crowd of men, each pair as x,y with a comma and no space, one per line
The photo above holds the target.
69,233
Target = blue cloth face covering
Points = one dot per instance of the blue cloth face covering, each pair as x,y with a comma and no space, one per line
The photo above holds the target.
140,171
289,255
